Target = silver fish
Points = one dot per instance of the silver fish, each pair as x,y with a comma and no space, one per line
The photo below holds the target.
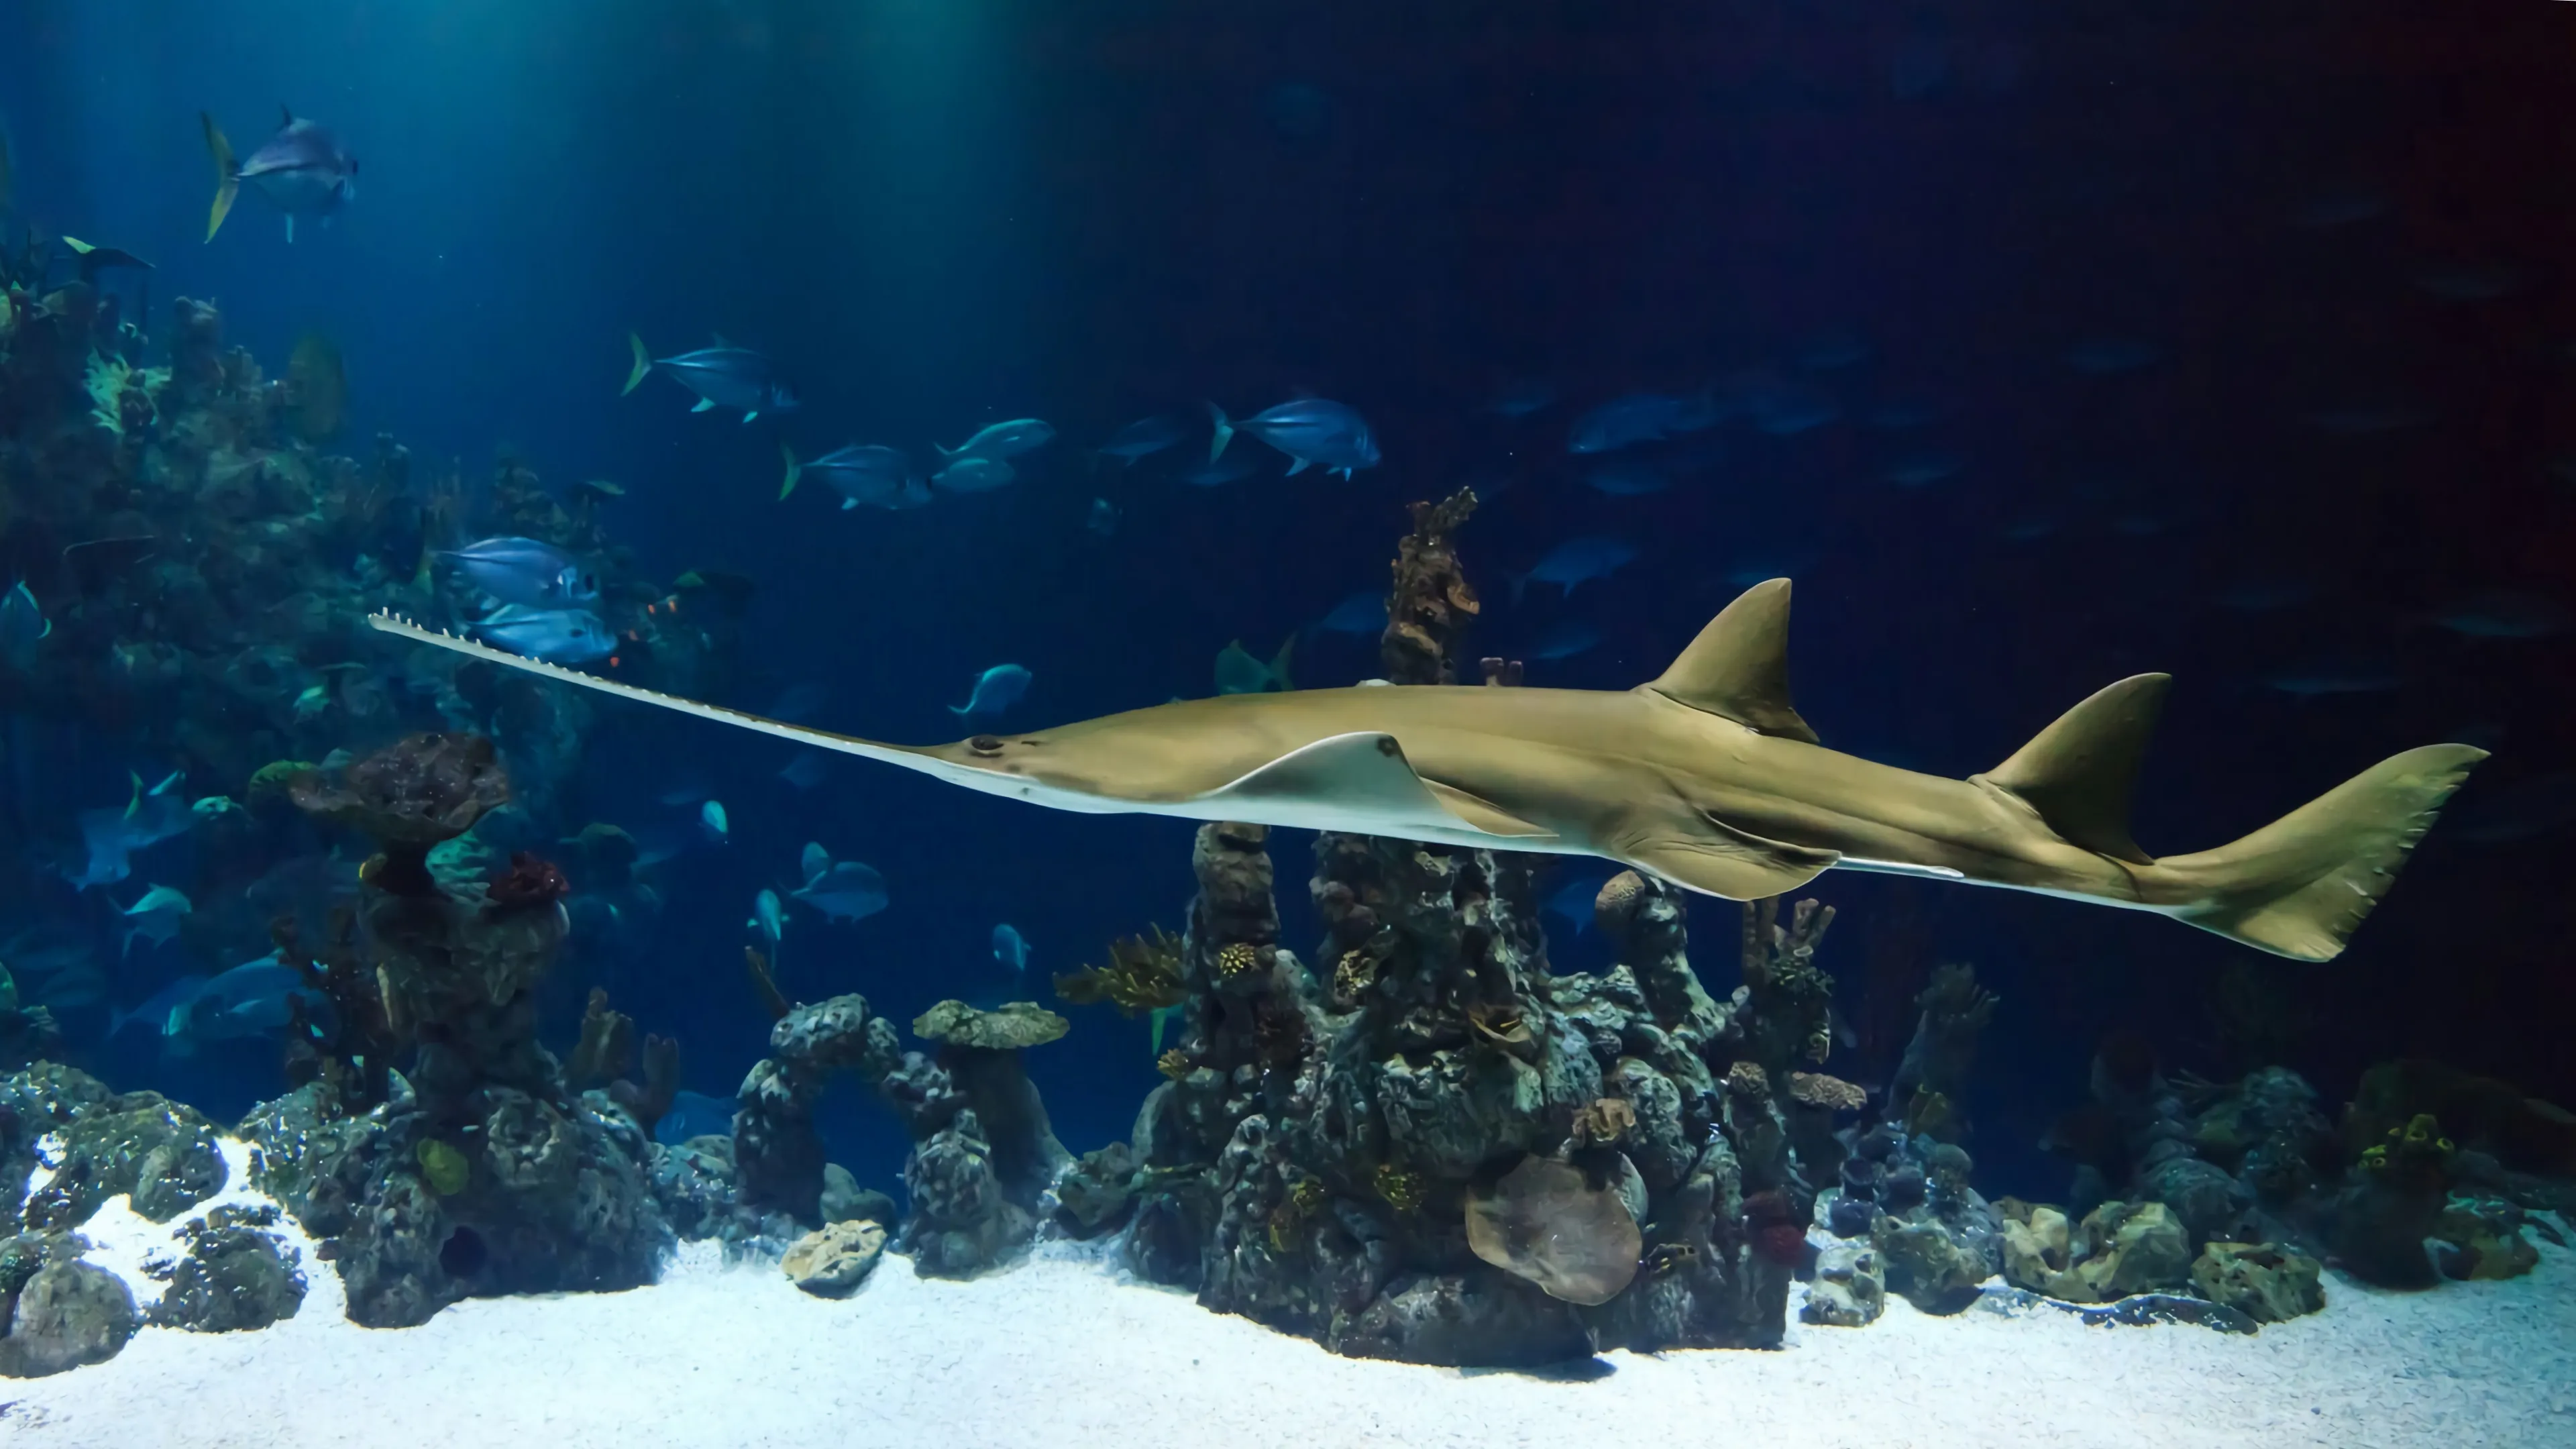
525,571
303,169
723,376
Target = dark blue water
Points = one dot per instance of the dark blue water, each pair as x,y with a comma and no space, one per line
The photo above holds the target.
2189,302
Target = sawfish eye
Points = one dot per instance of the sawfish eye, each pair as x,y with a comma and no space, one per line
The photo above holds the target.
985,745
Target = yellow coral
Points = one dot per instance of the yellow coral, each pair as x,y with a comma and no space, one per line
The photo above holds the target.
1236,960
443,1166
1355,975
1402,1190
1143,974
1172,1064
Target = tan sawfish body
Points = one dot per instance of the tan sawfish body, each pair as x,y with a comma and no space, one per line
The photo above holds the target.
1705,777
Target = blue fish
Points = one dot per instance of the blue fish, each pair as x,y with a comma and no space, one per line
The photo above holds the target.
1641,417
1574,900
1102,519
149,818
972,473
864,474
303,169
998,441
722,376
22,626
996,690
844,891
1522,398
769,919
525,571
1361,613
714,823
558,636
1923,469
1626,478
1011,949
1563,640
154,917
1219,473
157,1010
1315,432
695,1114
805,771
1574,561
1141,438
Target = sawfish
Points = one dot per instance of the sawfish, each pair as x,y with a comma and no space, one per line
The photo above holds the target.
1705,777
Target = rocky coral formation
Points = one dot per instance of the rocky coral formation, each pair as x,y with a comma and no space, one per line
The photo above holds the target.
234,1276
61,1313
2263,1281
832,1261
2120,1249
478,1169
1425,1146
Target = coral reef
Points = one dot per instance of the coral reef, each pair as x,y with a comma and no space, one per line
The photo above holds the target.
832,1261
234,1276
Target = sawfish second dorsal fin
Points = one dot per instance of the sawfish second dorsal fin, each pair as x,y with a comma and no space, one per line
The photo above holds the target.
1738,667
2078,773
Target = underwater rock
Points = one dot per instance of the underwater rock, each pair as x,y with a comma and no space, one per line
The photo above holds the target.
67,1313
2200,1193
831,1262
2482,1239
845,1201
2126,1248
2263,1281
980,1052
1450,1319
2523,1133
1545,1222
1097,1192
1928,1265
2390,1203
1850,1290
694,1184
234,1277
161,1152
2037,1247
963,1221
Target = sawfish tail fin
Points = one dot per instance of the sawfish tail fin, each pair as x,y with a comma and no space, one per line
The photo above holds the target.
227,174
2299,886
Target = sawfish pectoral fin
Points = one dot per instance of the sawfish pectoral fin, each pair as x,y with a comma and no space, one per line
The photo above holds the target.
1717,859
1360,782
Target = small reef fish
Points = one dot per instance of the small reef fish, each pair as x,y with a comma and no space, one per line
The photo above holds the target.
974,475
1011,949
1314,432
149,818
1237,672
1360,613
996,689
1102,520
1575,561
1141,438
713,821
562,636
526,572
303,169
842,890
768,918
1705,777
867,475
1563,640
23,626
154,917
722,376
997,441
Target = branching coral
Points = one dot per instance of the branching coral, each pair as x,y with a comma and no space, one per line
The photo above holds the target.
1144,974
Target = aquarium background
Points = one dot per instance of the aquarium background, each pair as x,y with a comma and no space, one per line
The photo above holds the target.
2237,343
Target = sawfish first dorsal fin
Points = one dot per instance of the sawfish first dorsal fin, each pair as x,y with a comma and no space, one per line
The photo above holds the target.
1360,781
2078,773
1738,667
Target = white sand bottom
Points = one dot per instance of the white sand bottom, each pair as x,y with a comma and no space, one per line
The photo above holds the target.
1062,1353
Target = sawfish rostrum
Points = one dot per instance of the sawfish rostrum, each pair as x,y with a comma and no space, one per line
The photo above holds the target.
303,169
1705,777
